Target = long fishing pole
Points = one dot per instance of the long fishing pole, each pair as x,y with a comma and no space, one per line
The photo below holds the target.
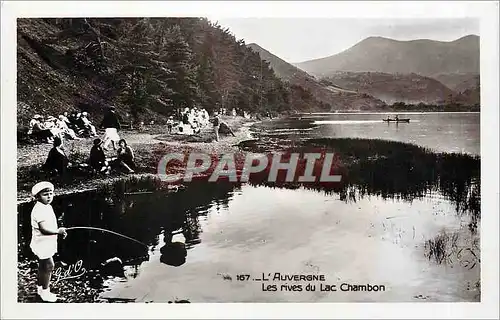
109,231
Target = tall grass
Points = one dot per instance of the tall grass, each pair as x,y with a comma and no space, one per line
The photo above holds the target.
391,169
441,247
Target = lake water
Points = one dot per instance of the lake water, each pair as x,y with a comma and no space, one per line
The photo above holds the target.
440,131
414,233
307,232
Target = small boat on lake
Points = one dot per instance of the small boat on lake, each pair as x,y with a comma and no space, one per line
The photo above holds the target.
396,120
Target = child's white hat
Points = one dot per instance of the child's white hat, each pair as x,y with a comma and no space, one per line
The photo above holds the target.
41,186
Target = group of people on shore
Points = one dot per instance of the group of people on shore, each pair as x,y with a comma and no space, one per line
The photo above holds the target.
190,121
234,113
45,229
64,126
58,163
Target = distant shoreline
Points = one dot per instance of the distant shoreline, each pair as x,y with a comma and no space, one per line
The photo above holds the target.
387,112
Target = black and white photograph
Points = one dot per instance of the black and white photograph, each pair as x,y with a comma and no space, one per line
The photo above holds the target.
214,158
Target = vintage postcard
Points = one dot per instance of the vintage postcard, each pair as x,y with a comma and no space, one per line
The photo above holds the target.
185,157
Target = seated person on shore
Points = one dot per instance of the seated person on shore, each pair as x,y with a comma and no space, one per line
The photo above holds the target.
80,123
195,127
75,123
37,129
64,117
65,130
57,162
88,126
51,124
185,118
177,127
97,158
125,159
224,128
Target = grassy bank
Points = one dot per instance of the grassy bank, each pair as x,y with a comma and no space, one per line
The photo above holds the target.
148,145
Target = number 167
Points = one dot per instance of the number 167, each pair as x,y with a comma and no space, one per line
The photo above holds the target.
243,277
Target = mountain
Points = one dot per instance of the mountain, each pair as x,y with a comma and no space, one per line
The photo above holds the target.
283,69
332,95
424,57
390,88
148,68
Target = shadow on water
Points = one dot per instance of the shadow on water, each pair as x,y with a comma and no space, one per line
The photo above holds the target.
173,254
145,210
137,208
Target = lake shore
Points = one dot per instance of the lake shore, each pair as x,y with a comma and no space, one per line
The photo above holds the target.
148,144
152,138
375,166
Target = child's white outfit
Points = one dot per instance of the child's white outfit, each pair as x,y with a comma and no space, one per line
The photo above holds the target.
43,246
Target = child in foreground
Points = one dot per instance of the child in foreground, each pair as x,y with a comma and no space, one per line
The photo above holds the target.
44,233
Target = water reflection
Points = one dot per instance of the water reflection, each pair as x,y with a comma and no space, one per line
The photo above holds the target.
127,209
173,254
141,209
391,170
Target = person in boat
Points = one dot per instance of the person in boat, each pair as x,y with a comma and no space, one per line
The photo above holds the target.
397,118
125,157
57,162
97,158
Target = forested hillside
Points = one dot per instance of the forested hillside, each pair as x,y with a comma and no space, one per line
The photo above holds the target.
147,67
391,88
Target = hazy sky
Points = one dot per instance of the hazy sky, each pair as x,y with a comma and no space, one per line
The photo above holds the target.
300,39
